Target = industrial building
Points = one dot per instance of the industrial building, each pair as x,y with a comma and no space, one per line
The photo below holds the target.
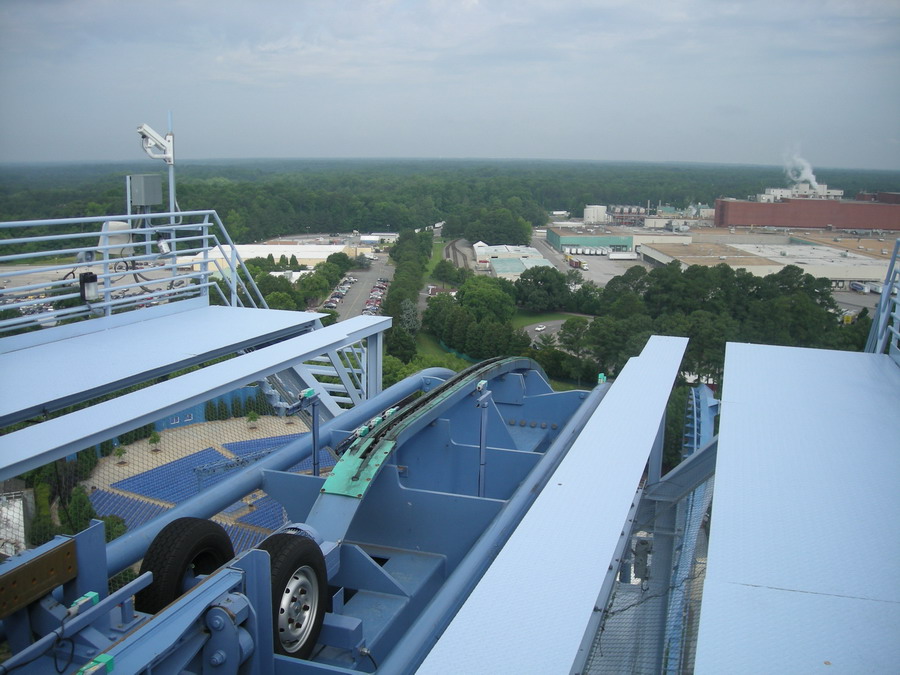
306,254
800,191
614,239
796,212
595,213
840,261
386,237
512,268
507,262
484,253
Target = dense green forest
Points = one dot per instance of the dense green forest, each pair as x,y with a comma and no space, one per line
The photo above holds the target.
496,201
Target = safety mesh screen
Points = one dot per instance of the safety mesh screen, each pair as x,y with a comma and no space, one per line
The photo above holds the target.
651,621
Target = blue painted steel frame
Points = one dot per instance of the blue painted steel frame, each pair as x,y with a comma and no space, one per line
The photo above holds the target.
223,622
130,547
64,435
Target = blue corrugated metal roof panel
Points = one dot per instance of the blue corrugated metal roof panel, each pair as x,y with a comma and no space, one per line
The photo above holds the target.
802,570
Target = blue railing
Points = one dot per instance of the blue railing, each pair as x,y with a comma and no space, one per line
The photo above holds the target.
55,271
885,332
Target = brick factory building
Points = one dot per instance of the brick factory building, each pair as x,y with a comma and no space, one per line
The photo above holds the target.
878,212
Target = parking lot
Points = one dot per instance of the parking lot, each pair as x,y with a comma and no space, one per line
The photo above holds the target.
601,268
354,301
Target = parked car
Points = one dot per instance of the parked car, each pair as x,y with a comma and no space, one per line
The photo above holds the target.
540,327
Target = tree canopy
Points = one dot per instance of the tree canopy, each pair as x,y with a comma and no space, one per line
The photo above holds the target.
498,202
709,305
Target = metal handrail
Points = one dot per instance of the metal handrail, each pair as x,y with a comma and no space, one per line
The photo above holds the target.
885,334
39,273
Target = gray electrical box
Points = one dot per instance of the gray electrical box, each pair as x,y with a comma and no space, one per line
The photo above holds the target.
146,189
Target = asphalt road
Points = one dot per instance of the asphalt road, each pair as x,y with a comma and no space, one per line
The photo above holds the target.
355,300
552,329
853,301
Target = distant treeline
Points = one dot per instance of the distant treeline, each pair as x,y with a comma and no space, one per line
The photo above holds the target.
496,201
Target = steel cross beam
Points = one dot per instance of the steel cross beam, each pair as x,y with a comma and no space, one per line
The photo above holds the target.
680,481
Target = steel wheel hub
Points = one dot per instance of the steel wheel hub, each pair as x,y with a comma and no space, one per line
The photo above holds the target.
298,608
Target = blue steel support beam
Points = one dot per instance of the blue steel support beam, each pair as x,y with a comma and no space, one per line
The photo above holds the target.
343,374
661,570
374,349
685,477
309,379
484,402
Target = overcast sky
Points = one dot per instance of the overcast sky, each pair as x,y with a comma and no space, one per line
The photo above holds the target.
655,80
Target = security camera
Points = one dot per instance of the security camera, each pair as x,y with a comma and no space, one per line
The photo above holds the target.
150,139
149,134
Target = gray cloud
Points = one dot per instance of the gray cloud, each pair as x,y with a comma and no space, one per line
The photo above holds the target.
691,80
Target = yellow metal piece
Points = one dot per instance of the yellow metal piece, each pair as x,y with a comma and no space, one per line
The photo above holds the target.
32,580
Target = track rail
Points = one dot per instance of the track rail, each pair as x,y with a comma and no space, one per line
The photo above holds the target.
364,452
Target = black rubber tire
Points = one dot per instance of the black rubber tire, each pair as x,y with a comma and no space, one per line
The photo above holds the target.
185,547
299,587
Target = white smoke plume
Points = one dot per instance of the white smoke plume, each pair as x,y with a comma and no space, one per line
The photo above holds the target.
798,170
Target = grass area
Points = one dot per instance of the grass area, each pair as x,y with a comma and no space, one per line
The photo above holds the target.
437,250
559,385
427,345
523,318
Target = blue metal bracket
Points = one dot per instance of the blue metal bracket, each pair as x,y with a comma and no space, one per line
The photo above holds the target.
483,402
309,398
